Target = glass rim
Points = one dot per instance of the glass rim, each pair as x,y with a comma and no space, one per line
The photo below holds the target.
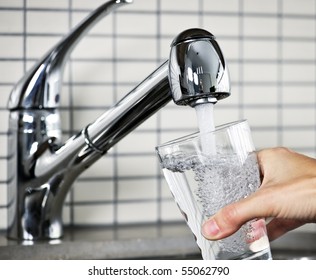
197,135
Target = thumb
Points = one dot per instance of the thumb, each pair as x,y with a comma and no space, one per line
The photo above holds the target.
230,218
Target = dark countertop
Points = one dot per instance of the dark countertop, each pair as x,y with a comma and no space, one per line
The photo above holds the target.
150,241
123,242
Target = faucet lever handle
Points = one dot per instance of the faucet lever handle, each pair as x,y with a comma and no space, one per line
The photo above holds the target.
40,87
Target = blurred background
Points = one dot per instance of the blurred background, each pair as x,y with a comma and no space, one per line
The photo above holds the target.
270,47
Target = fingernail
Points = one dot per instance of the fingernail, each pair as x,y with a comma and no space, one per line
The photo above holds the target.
210,228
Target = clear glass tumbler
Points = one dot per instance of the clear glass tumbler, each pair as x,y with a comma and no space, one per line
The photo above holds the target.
207,171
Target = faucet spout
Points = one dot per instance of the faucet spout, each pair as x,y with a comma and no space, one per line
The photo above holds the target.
99,136
42,169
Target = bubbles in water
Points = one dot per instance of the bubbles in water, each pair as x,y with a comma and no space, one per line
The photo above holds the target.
220,180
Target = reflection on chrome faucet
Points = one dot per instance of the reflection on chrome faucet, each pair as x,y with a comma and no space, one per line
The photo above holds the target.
42,168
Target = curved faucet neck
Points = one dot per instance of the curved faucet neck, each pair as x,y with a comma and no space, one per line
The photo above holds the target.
40,87
42,170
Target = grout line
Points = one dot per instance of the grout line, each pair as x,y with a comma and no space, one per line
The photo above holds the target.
279,73
115,98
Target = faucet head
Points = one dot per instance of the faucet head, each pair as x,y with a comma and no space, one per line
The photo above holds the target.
198,71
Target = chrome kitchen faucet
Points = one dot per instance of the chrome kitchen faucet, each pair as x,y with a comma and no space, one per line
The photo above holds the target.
42,168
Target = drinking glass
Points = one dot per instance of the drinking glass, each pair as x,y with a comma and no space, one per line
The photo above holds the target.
207,171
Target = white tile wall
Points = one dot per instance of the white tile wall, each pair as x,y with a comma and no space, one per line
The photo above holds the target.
271,50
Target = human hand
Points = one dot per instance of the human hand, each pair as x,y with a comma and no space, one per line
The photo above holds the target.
287,196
